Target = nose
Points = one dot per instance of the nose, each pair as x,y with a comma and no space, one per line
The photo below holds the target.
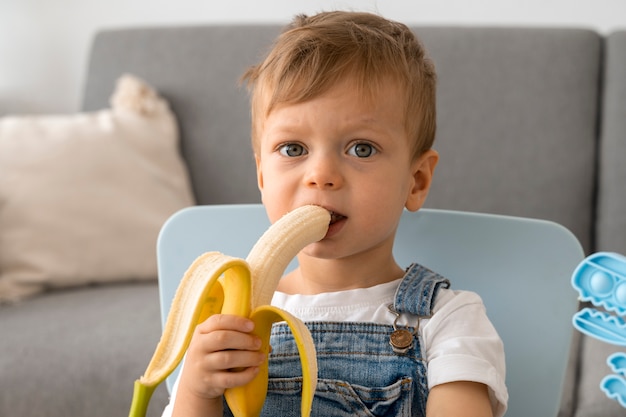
324,172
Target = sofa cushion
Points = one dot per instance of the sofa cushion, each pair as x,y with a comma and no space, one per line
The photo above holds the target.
77,352
517,121
590,399
197,68
83,196
611,225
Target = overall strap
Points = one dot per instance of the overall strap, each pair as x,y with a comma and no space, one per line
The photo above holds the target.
417,291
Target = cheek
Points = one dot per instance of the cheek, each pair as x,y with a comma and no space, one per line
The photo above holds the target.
391,184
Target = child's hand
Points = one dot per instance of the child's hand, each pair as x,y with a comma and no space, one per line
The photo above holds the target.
222,354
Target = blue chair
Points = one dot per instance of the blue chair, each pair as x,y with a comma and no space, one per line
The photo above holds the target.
520,267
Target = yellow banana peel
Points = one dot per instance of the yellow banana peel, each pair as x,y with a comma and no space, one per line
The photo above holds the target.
218,283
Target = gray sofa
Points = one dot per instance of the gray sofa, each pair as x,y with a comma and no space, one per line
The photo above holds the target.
532,122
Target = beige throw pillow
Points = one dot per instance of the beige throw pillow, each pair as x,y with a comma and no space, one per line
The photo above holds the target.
83,197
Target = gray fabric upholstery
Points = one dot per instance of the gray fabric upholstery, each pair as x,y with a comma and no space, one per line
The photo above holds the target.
519,122
77,352
611,220
590,402
198,70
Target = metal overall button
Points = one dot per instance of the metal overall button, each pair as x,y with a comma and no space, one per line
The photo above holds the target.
401,339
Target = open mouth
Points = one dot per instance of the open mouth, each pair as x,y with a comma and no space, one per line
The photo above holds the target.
335,217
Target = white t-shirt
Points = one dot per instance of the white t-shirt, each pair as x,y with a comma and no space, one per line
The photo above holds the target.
459,342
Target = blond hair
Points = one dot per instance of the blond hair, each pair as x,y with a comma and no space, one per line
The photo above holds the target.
314,53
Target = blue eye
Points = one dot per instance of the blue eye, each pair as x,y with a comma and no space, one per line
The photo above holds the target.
292,150
362,150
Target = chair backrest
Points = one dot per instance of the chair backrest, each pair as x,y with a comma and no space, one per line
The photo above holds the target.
520,267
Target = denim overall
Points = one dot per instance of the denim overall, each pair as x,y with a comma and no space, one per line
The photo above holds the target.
359,372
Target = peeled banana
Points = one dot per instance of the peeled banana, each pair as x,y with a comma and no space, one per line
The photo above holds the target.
218,283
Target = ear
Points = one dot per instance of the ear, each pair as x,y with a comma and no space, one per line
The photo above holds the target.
422,171
259,172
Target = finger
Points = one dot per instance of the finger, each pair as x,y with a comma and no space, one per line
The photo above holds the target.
207,367
231,379
226,322
233,360
211,383
220,340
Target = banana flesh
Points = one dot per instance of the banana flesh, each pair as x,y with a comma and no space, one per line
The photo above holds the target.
217,283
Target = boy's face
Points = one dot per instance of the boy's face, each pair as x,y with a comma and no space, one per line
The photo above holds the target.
349,155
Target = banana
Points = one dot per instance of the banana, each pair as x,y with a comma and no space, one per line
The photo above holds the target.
217,283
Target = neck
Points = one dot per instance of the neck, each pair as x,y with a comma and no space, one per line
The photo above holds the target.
315,275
